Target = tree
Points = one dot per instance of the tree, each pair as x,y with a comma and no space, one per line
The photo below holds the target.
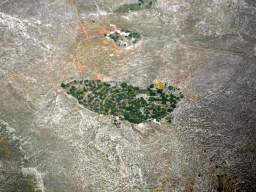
164,110
152,86
72,89
129,108
130,90
63,85
170,87
173,106
123,85
80,97
137,104
169,110
164,98
152,93
164,102
159,90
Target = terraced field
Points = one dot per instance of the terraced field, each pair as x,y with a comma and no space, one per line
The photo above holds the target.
127,102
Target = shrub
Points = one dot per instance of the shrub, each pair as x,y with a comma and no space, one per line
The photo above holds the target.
163,102
170,87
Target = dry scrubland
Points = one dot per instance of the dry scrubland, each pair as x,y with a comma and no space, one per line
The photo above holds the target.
49,142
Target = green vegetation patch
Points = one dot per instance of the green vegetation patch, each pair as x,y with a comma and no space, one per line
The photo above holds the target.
142,4
124,39
125,101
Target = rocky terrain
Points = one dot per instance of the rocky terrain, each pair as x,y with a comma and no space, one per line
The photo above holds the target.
49,142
